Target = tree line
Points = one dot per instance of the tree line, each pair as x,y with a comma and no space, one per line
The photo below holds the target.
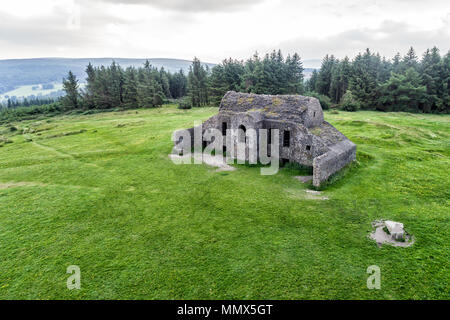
368,82
145,87
372,82
115,87
272,74
27,102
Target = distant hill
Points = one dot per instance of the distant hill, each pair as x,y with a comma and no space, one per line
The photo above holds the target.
15,73
310,65
307,72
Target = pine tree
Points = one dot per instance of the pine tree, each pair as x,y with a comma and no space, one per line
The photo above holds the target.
397,63
219,85
225,77
431,69
294,75
335,92
410,60
311,82
252,65
115,84
178,84
89,90
130,88
445,83
146,88
102,95
70,86
198,84
323,83
164,82
364,82
403,92
340,77
385,70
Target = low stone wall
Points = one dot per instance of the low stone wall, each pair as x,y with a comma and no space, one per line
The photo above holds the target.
334,160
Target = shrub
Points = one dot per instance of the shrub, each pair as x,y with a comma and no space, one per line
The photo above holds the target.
158,100
349,103
184,104
23,113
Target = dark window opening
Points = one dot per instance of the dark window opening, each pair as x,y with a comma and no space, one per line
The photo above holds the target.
286,138
224,149
241,133
269,136
314,114
224,128
308,148
204,144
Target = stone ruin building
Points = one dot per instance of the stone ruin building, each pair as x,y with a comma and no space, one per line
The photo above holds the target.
304,137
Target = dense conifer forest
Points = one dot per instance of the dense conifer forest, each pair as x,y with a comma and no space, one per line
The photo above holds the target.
367,82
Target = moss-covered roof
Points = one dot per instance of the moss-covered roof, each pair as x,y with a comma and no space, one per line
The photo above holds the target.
270,104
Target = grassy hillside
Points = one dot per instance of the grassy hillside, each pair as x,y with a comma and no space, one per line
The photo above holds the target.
100,192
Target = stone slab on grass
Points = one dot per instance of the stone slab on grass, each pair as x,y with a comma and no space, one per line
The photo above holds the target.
381,236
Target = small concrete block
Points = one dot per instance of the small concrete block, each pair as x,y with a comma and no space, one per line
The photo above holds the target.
395,229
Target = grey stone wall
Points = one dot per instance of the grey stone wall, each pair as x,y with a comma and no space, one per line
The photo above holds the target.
312,141
334,160
314,115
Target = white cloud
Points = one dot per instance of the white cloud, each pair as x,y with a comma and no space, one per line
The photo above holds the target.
26,9
193,5
214,30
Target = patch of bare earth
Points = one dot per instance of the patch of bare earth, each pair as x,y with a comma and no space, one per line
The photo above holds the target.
214,161
306,194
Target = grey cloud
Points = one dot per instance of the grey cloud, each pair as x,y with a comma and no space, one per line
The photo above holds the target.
25,36
193,5
389,38
37,31
359,7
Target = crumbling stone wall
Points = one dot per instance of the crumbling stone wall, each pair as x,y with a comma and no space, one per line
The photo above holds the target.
334,160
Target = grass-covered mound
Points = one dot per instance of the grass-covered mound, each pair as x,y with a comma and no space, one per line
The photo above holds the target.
99,191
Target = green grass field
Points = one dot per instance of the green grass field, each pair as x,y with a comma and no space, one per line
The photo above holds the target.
99,191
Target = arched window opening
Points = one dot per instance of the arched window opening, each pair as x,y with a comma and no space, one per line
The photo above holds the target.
241,133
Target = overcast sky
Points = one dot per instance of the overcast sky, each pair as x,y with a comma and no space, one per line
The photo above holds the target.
213,30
